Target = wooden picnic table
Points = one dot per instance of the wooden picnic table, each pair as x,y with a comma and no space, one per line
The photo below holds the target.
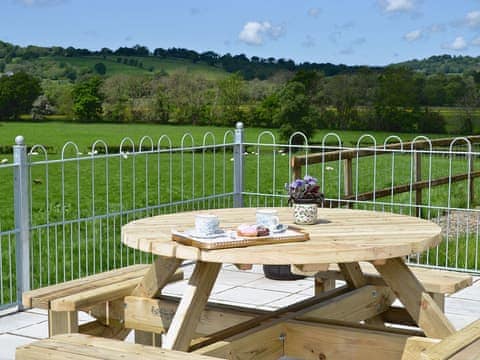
341,236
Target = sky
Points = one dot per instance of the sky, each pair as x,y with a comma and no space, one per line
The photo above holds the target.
353,32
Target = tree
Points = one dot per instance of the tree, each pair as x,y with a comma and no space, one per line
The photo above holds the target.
17,93
231,93
100,68
87,100
295,112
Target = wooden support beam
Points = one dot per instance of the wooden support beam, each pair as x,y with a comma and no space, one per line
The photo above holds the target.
322,285
266,342
414,297
157,277
456,344
62,322
148,338
360,304
155,315
288,311
415,346
322,341
96,328
308,269
191,306
355,279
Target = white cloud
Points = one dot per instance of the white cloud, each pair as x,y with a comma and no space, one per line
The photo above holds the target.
254,32
458,44
472,19
314,12
392,6
413,35
476,41
32,3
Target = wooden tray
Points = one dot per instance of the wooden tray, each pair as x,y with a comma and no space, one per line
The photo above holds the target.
292,234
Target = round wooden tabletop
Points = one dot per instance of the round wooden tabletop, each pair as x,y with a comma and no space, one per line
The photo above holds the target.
340,235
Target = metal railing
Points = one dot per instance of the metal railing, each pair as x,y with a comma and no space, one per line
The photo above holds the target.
61,214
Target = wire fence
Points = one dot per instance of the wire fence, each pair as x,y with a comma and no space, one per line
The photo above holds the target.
62,213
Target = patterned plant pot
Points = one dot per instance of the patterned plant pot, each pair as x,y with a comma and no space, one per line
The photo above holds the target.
305,213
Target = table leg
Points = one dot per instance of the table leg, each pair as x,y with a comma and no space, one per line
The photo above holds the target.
151,286
415,298
157,277
193,302
355,279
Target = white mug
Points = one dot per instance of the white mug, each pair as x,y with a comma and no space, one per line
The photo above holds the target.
267,217
206,224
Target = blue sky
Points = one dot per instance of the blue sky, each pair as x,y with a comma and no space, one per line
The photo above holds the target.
371,32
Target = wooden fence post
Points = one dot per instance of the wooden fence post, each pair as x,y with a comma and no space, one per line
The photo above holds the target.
296,169
418,178
347,179
471,179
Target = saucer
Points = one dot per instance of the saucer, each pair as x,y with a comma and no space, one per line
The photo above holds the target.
218,233
278,228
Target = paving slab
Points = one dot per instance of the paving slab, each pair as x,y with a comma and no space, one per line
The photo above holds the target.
178,288
284,286
20,320
247,295
9,343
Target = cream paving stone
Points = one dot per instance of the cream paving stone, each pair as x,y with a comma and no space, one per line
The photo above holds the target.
246,295
236,278
463,307
19,320
9,343
471,292
286,301
178,288
284,286
35,331
459,321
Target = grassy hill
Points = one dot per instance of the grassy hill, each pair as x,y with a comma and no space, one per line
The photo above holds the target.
61,67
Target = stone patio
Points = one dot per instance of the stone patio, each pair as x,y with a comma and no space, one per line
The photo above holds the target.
244,288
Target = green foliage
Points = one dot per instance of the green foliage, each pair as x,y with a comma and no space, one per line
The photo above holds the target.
231,95
100,68
87,100
295,112
17,93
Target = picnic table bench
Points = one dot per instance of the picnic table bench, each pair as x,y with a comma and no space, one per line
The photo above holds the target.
100,295
438,283
85,347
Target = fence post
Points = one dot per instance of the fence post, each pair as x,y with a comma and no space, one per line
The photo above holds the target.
238,170
348,180
22,218
418,178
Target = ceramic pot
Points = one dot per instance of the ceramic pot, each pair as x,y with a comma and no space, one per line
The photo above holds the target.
305,213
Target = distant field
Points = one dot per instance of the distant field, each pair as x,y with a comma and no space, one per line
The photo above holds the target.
56,133
168,65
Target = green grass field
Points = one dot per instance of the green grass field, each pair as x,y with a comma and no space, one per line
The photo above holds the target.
170,66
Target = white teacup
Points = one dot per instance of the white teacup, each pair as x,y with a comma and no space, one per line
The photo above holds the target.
267,217
206,224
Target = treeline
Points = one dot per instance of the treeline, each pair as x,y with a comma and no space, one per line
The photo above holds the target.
248,68
443,64
397,99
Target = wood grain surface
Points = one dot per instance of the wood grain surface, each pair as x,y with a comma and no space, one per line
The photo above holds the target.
340,235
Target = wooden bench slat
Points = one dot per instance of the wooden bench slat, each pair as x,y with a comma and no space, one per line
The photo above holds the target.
83,347
435,281
90,297
88,285
454,343
44,292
